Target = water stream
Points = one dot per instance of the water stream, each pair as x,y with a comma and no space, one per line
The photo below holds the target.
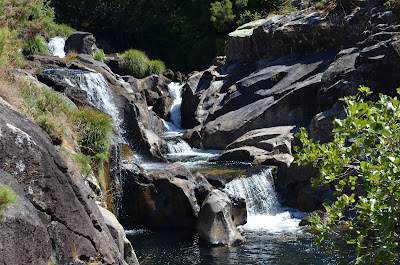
56,46
272,231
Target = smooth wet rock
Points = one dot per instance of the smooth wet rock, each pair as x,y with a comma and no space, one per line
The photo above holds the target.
270,139
283,35
214,223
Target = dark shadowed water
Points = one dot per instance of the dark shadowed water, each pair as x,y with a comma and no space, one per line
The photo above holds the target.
180,247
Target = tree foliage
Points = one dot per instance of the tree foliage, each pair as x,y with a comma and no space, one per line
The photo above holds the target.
363,164
183,33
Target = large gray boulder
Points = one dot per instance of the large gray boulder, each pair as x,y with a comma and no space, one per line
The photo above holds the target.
214,224
80,42
54,210
162,199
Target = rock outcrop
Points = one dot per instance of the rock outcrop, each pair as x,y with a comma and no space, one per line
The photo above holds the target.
55,218
290,71
80,42
215,224
160,199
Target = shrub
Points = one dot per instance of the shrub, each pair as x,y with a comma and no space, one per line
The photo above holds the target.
35,45
52,126
365,156
156,67
135,63
62,30
7,197
83,161
99,55
71,56
322,4
9,46
95,130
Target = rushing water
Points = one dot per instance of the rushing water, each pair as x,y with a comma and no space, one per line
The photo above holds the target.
98,92
178,149
56,46
272,232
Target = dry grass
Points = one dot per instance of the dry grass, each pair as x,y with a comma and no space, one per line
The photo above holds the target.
71,56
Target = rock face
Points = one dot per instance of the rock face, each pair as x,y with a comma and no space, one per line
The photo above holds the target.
215,224
161,199
290,71
54,212
261,146
80,42
118,233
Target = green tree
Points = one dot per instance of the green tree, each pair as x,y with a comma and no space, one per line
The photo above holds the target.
363,164
222,15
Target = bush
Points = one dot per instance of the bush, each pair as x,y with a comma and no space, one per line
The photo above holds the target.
7,197
99,55
322,4
9,46
135,63
363,164
35,45
71,56
62,30
95,130
156,67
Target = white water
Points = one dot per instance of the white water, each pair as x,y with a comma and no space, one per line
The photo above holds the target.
175,89
177,147
98,93
56,46
263,209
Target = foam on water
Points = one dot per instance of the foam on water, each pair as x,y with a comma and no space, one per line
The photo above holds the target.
263,209
56,46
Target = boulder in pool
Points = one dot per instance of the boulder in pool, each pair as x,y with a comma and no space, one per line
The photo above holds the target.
214,223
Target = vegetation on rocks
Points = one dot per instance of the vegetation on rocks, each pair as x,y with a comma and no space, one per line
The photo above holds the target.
7,197
99,55
58,117
363,164
35,45
137,64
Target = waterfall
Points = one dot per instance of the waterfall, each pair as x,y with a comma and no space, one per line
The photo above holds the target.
56,46
175,124
94,84
178,146
263,208
98,93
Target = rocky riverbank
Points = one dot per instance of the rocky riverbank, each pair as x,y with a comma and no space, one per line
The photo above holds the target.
279,73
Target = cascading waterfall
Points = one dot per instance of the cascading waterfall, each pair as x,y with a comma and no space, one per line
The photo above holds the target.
263,209
56,46
178,149
98,93
94,84
175,125
178,146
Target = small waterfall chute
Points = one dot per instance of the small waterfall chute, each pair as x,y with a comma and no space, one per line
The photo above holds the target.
263,208
175,89
178,146
56,46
